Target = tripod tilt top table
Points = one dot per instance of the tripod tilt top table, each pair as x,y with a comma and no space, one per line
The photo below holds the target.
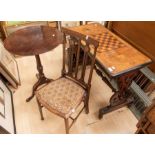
34,40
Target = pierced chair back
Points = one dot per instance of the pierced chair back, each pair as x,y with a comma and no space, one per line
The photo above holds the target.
73,43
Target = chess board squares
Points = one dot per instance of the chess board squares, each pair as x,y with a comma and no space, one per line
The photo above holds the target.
107,42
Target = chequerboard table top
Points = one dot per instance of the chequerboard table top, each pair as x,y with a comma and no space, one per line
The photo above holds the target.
113,53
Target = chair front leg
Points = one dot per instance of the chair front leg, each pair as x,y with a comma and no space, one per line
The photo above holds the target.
67,125
86,102
40,110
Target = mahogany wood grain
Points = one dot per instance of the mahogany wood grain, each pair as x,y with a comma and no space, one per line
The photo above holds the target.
33,40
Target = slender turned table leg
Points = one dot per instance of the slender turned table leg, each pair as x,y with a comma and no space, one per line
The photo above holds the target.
41,78
121,97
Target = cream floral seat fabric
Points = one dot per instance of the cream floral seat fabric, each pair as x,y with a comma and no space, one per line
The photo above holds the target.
61,96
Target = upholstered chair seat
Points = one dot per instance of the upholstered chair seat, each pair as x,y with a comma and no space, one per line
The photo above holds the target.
61,96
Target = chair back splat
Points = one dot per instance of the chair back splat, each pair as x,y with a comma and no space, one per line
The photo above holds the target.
73,44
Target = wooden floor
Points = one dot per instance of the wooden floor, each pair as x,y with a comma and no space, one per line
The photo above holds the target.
27,115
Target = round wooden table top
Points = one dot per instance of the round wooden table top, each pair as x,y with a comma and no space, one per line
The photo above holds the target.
33,40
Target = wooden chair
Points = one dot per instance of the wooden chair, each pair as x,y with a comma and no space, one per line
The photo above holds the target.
146,124
65,95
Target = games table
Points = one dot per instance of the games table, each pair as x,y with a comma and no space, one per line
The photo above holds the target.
117,62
